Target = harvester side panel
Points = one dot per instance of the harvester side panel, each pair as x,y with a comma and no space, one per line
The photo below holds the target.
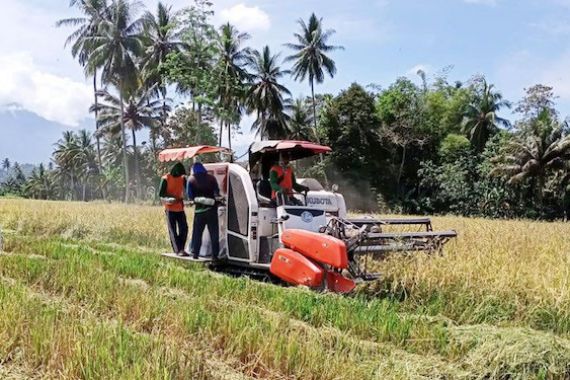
322,248
296,269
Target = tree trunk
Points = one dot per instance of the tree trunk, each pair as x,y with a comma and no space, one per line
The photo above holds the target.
540,193
97,122
73,190
163,117
262,129
401,171
153,142
316,132
229,125
199,114
221,132
97,138
137,169
124,135
314,108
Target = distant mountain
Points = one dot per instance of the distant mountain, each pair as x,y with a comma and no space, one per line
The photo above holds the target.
28,138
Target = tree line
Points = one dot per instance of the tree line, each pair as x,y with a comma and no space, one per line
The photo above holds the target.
433,147
442,147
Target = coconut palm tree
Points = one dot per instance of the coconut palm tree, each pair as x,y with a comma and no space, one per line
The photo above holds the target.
161,38
81,40
66,165
480,121
76,165
310,58
112,150
265,95
300,121
231,75
40,184
118,44
138,111
84,157
536,152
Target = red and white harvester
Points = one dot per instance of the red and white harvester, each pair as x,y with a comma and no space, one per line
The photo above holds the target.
315,244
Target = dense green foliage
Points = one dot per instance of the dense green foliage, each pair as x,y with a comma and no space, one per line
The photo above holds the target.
426,150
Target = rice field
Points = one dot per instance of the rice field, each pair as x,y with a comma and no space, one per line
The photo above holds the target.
84,294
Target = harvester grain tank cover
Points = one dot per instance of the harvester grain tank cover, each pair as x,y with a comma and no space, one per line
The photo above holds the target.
272,148
179,154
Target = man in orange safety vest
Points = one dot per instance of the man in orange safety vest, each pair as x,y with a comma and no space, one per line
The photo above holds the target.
172,189
283,182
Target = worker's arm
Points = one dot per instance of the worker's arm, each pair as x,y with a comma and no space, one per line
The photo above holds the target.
189,191
216,189
297,186
274,181
162,189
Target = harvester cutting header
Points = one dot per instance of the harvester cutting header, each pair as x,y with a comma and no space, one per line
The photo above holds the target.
302,236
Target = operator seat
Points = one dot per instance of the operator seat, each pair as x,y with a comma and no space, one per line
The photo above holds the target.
264,193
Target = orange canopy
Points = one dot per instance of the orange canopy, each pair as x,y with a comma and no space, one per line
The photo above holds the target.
179,154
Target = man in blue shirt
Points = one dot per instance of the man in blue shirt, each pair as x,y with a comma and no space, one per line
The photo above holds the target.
203,189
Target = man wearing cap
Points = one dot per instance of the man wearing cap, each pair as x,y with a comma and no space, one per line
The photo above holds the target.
172,196
203,189
283,182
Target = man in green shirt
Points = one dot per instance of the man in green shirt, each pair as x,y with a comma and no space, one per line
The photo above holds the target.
283,182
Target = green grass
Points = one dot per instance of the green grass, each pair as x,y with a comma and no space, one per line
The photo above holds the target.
270,330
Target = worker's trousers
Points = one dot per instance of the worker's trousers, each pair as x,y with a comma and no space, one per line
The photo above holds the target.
208,218
177,230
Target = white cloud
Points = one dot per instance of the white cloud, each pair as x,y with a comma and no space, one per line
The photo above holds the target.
349,29
552,27
246,18
414,70
482,2
242,141
55,98
524,69
562,3
30,26
555,74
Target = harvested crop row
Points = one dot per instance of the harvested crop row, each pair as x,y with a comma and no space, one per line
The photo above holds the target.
57,340
544,352
262,344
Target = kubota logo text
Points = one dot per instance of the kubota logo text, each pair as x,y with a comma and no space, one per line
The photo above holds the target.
319,201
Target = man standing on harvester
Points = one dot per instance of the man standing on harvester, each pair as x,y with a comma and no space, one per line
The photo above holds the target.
172,196
283,182
203,190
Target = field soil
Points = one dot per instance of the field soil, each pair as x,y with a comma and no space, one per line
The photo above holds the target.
84,293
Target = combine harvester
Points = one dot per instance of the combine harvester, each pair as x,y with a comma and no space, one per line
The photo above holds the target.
314,245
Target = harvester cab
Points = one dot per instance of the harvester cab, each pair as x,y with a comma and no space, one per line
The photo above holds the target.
303,210
309,241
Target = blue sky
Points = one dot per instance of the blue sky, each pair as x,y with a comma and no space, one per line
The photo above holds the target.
515,44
